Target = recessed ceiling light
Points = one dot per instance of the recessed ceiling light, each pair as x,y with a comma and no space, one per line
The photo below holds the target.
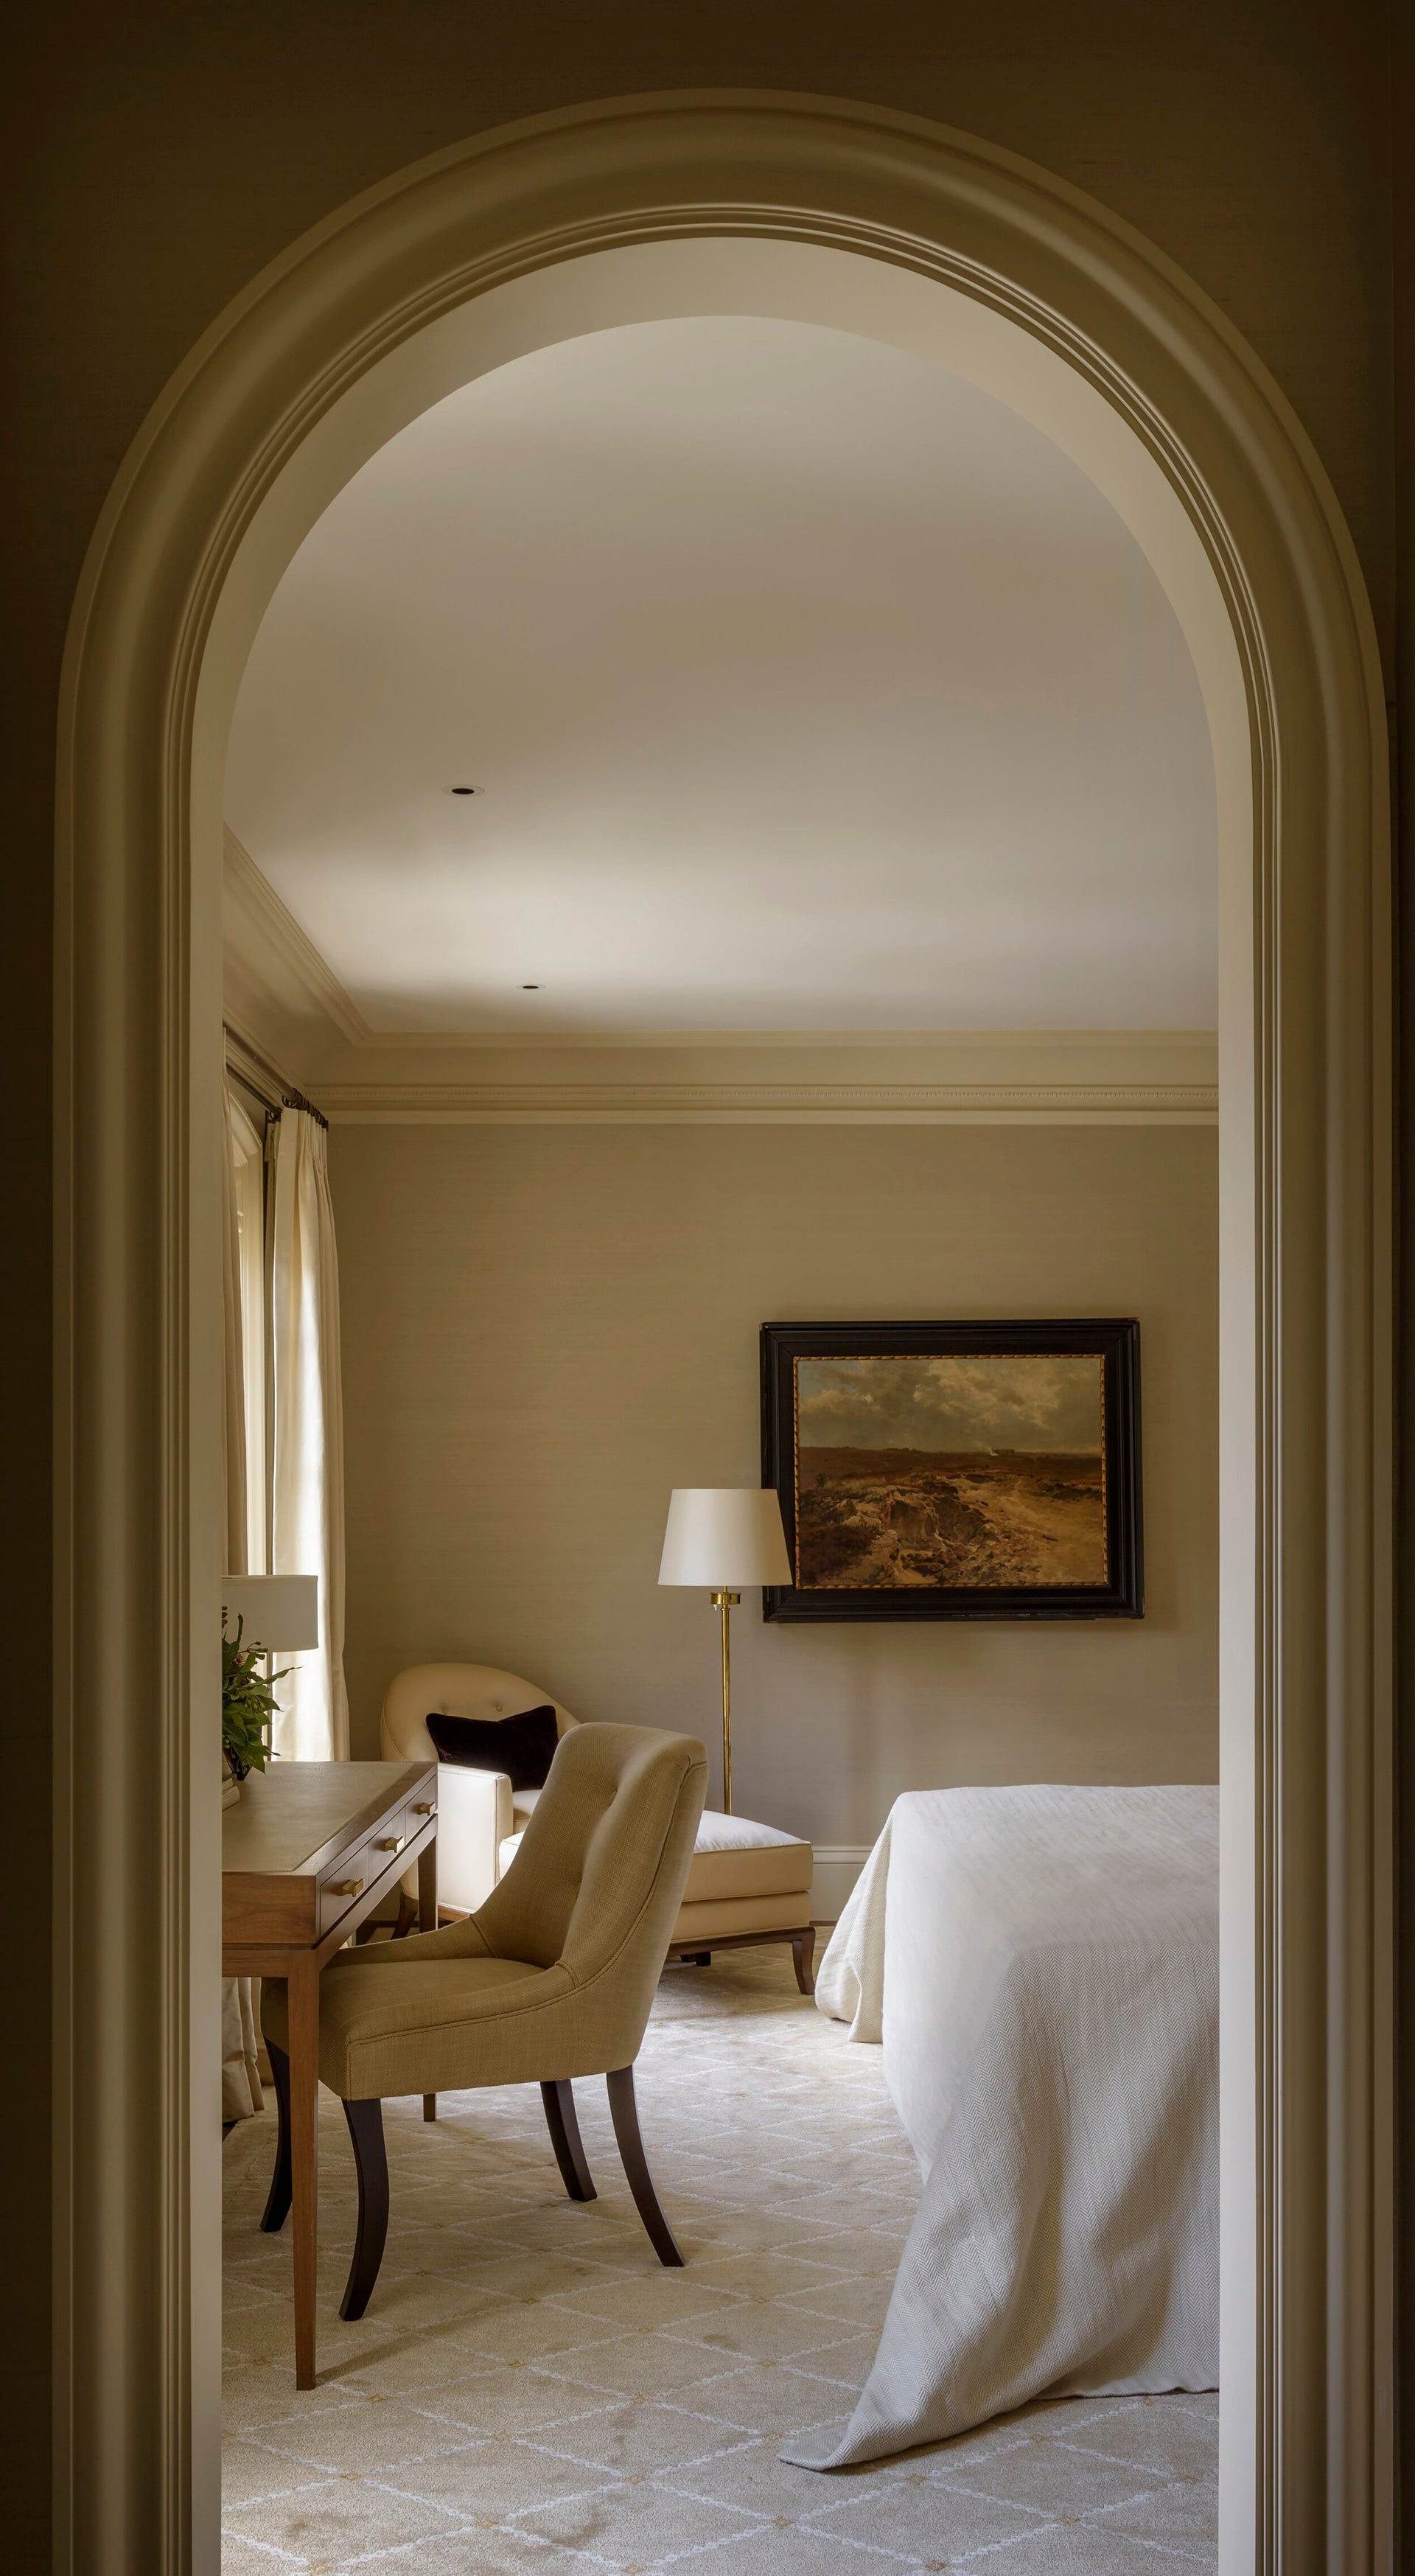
530,988
462,791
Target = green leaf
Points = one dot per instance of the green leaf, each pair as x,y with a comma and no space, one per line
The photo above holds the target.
248,1702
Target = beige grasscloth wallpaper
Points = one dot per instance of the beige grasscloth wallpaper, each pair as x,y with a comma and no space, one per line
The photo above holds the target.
545,1329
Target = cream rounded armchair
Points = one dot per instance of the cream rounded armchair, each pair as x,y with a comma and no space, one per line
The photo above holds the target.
476,1810
748,1884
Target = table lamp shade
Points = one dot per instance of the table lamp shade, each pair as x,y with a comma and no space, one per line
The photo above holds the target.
281,1611
724,1538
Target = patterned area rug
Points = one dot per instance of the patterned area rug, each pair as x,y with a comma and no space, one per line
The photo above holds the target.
530,2390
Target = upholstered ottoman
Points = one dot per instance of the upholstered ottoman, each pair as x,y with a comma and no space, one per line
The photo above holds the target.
748,1884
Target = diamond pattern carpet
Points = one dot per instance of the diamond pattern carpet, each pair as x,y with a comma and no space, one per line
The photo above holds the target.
531,2390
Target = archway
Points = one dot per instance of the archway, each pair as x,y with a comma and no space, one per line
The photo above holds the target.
886,226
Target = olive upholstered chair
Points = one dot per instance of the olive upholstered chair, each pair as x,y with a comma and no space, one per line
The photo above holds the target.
551,1978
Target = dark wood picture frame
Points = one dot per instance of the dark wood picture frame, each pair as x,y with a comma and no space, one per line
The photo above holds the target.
1116,1341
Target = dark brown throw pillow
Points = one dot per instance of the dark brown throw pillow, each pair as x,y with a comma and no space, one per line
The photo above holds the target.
524,1746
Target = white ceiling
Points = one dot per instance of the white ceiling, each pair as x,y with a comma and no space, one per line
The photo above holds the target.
804,686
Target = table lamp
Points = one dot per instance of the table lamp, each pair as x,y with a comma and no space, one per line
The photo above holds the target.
280,1614
723,1538
281,1611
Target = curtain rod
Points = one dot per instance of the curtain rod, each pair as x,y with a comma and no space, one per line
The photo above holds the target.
285,1094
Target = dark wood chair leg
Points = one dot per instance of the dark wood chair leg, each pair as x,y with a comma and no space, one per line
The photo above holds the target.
277,2207
407,1917
803,1951
429,2106
564,2127
365,2121
625,2114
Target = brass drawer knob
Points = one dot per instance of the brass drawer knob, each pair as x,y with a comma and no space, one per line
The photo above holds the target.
393,1842
347,1887
424,1811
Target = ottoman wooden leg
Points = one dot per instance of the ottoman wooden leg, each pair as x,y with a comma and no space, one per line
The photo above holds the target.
803,1951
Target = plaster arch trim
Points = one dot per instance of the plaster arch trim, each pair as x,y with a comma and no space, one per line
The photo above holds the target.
532,232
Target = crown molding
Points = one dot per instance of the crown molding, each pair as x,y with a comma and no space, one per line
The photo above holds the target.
538,1042
1112,1077
264,937
668,1103
249,1060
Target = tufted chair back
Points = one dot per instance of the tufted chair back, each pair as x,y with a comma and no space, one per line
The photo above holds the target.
598,1879
459,1690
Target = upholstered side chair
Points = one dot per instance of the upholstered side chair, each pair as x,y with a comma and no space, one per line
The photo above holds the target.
552,1978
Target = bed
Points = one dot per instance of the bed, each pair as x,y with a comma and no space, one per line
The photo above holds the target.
1040,1966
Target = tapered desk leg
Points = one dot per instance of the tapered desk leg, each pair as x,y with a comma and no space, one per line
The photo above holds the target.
427,1922
302,1991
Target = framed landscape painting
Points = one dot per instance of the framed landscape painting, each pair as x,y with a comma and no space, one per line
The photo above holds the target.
955,1471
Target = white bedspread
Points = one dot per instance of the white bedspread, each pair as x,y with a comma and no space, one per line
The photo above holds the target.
1042,1965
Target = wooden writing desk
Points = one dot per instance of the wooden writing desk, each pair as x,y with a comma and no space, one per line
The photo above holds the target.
308,1851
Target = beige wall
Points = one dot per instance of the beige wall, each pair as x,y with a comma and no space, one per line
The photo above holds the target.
545,1329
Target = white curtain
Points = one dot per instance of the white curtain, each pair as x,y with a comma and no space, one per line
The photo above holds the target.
233,1357
307,1522
248,1158
241,2092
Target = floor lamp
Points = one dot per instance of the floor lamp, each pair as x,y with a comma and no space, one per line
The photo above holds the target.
724,1538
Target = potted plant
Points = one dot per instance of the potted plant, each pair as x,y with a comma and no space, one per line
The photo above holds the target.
248,1705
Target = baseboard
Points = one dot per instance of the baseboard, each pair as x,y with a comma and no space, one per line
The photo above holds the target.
837,1866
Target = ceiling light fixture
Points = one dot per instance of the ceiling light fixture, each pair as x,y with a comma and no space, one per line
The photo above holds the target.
530,988
462,791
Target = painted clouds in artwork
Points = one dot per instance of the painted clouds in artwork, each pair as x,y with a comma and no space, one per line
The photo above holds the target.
955,1401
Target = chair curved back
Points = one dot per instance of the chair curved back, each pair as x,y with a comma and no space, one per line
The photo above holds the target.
458,1690
599,1877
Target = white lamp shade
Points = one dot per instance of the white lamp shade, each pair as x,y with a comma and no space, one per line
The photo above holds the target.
725,1538
281,1611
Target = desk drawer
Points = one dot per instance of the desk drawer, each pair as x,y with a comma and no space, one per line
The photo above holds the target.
354,1872
349,1878
298,1838
391,1842
416,1815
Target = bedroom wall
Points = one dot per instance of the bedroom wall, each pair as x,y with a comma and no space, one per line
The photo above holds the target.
545,1329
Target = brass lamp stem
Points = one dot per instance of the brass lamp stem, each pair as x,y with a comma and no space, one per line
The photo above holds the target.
725,1603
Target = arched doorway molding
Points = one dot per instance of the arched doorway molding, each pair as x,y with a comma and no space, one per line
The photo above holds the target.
833,212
